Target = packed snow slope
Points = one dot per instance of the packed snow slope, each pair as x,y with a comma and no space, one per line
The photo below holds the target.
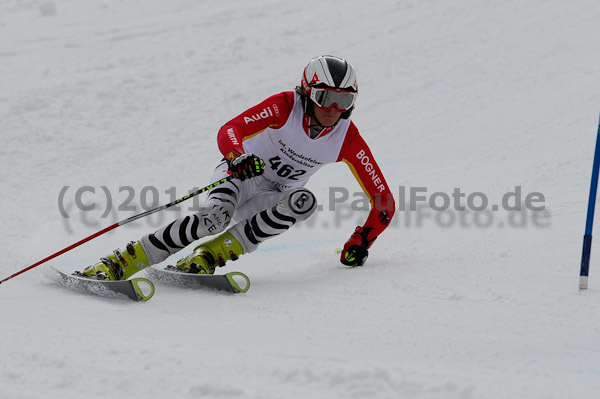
102,97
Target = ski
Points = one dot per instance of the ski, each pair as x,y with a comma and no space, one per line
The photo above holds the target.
224,282
118,289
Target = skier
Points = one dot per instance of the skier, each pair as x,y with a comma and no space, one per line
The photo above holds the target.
295,133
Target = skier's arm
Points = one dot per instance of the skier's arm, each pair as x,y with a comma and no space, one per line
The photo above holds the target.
357,155
273,113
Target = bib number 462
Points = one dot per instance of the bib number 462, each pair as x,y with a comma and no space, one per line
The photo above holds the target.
284,169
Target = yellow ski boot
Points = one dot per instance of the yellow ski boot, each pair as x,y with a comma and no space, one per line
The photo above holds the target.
207,256
119,265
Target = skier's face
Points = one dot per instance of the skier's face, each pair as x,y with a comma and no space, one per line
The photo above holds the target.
327,116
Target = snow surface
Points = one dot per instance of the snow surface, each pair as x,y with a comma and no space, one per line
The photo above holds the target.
482,96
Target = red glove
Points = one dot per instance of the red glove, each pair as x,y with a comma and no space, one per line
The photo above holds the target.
356,249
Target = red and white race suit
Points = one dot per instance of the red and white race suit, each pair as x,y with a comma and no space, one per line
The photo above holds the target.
277,131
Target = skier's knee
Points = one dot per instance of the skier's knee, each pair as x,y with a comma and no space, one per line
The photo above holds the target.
296,206
299,204
214,219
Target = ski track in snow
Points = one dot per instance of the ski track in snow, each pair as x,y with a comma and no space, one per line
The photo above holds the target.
482,96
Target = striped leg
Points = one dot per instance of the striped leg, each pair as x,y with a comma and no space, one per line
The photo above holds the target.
213,218
182,232
296,206
216,215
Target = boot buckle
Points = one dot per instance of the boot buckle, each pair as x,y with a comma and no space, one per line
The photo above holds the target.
120,257
131,250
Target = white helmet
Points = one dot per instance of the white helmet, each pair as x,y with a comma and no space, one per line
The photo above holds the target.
330,82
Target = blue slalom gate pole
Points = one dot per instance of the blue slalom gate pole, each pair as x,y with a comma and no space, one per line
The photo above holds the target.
587,238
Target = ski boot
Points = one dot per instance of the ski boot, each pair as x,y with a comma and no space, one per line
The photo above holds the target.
207,256
119,265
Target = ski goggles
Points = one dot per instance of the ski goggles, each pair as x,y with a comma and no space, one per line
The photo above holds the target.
327,98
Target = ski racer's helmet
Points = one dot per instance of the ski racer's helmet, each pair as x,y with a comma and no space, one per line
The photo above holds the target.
329,81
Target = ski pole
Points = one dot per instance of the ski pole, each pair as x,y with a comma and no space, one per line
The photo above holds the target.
121,223
587,238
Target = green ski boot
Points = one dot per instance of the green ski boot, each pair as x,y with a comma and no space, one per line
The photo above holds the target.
207,256
119,265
